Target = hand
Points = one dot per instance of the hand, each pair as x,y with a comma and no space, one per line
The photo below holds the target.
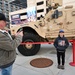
19,33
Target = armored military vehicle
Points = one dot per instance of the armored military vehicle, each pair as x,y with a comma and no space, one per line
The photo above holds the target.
46,29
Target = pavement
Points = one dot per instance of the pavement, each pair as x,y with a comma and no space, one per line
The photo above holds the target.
22,64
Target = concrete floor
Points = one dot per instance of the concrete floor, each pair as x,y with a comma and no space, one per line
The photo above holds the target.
22,64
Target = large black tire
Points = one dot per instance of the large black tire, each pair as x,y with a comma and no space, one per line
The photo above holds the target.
31,49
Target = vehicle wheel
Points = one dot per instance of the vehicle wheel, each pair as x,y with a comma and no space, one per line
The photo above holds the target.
29,49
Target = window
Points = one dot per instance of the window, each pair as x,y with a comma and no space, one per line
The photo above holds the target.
60,13
41,10
40,3
38,18
23,14
57,14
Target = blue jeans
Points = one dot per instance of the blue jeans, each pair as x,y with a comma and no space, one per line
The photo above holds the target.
6,71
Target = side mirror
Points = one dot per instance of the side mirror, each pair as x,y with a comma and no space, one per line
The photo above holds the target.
55,15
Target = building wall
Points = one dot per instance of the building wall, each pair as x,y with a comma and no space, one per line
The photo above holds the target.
4,7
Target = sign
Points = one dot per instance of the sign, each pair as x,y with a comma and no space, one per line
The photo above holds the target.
31,14
15,19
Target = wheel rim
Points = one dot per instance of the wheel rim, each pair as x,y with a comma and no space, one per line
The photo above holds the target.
29,46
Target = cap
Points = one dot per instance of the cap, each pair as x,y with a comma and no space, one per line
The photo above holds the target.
61,31
2,17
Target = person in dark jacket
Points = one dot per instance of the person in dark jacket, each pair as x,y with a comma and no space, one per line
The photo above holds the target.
61,44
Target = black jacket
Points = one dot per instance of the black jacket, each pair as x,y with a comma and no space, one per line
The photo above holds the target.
61,43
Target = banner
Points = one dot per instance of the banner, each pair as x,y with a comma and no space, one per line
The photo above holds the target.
15,19
31,14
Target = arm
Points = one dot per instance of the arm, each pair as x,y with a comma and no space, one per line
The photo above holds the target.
56,43
67,43
7,44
